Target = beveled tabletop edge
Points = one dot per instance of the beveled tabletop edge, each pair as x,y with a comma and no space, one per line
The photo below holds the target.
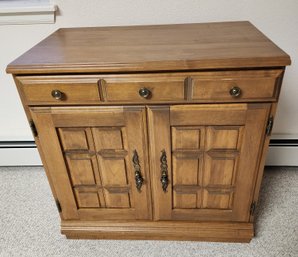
146,67
280,60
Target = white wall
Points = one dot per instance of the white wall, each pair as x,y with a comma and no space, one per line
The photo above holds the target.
278,19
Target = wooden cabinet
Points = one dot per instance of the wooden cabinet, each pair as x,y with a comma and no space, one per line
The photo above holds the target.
149,132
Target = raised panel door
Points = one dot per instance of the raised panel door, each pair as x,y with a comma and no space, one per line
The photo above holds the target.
90,154
211,154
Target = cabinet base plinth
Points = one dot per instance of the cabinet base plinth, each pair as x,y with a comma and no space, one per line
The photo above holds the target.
160,230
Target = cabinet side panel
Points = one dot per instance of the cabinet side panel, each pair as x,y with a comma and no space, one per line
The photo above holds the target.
262,161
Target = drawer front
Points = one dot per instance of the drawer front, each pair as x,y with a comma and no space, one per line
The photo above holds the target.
234,86
184,87
144,88
59,90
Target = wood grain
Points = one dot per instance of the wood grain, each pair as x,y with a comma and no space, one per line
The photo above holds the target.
208,114
162,230
175,87
100,178
261,165
253,84
159,136
151,48
212,165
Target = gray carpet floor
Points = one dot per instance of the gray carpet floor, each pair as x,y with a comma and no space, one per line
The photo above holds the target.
29,223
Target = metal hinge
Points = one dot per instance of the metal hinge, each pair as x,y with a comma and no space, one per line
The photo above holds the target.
269,126
58,205
33,128
252,208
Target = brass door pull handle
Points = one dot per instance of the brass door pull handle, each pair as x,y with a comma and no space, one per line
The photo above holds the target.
145,93
138,176
235,91
57,94
164,171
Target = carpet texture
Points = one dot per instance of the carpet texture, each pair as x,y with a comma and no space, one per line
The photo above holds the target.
29,223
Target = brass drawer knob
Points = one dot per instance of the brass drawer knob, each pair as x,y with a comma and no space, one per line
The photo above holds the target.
57,94
145,93
235,91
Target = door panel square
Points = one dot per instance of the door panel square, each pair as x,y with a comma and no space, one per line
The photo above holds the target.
186,137
223,137
73,138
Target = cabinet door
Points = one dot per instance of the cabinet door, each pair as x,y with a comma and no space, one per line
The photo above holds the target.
94,156
209,155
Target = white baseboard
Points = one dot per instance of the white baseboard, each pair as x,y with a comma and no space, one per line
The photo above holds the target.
26,154
282,156
19,154
283,150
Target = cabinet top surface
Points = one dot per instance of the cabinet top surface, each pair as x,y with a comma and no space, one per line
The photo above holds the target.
151,48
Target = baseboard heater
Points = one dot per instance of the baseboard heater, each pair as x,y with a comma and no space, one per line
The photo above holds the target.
282,152
19,153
